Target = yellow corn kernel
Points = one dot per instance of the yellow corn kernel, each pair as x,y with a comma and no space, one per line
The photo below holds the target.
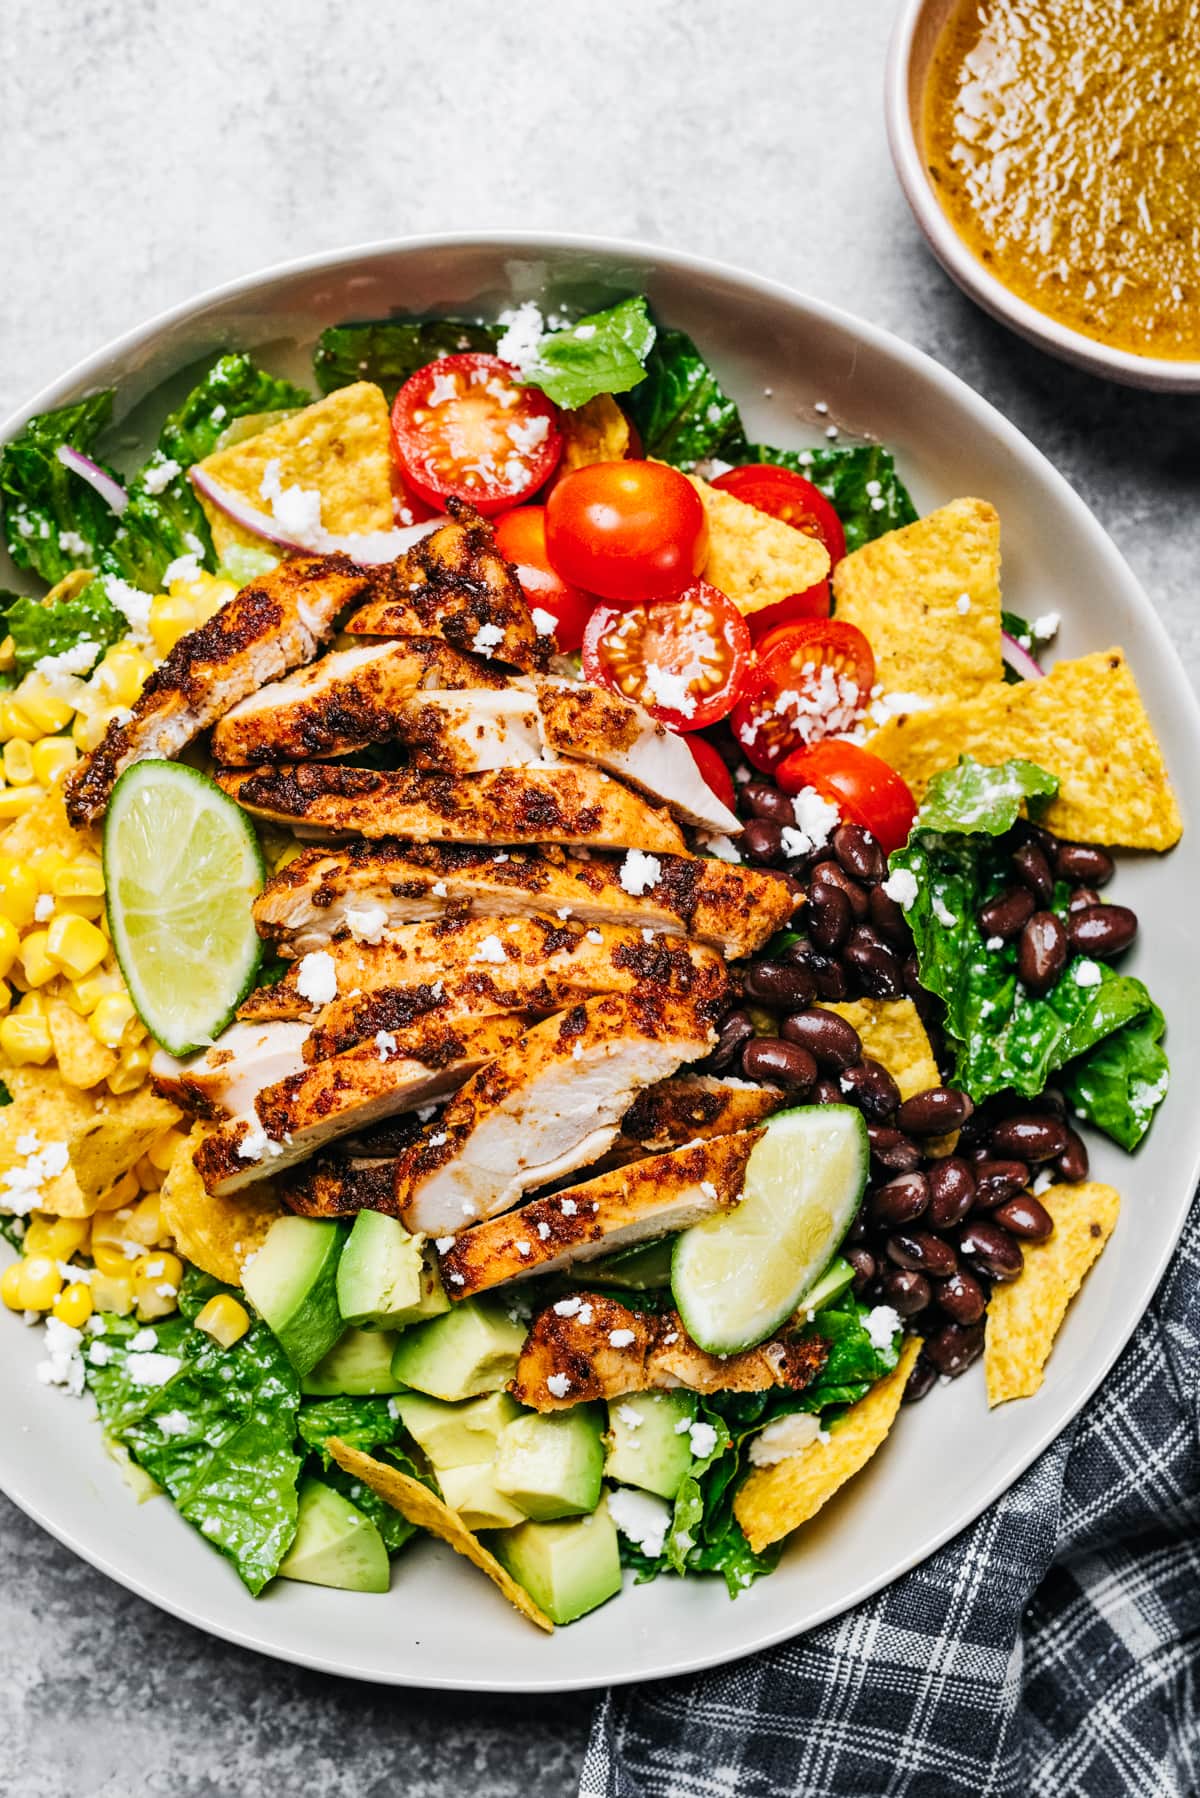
109,1017
286,855
113,1292
32,1005
10,1285
171,616
156,1280
119,1197
130,1072
135,1032
41,1282
162,1153
146,1225
18,891
74,945
88,728
10,944
224,1320
82,878
57,1237
47,709
8,654
15,723
86,994
16,801
148,1176
121,675
109,1239
91,909
18,763
34,956
74,1305
25,1041
52,758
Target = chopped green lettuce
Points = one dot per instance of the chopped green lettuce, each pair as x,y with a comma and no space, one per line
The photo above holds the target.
973,798
389,350
234,387
603,353
1120,1083
39,630
53,521
369,1425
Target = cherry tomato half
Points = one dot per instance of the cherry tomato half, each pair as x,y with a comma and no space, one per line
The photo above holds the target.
787,496
684,659
463,426
630,531
713,771
861,785
521,540
813,682
768,625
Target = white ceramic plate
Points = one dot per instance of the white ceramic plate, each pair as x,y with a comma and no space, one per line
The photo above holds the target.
778,354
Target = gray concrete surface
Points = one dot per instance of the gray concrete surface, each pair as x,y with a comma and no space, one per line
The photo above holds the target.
147,150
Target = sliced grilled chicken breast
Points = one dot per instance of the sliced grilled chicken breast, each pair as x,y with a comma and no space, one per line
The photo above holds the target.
224,1080
350,698
563,804
692,1106
590,724
303,1113
631,1204
551,1104
456,584
274,625
470,733
591,1346
735,909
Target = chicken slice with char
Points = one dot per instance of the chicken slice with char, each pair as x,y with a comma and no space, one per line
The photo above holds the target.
275,624
552,1103
570,1344
652,1197
470,733
563,804
735,909
224,1080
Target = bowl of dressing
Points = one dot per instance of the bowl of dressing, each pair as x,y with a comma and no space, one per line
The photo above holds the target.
1047,150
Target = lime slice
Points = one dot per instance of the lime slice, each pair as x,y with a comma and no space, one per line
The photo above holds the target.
739,1276
181,867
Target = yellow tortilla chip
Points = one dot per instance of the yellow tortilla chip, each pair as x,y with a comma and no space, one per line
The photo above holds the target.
44,1111
426,1510
754,559
340,448
219,1235
117,1136
892,1033
1024,1317
596,432
927,598
82,1061
1085,722
775,1500
45,826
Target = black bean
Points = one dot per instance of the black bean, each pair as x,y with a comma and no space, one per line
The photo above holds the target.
927,1006
1042,951
863,1263
1081,898
1025,1217
954,1348
989,1247
906,1292
858,852
931,1113
869,1086
875,962
766,801
1102,929
780,983
733,1032
834,1042
1007,913
922,1253
891,1150
1083,865
951,1191
921,1380
996,1181
831,873
888,918
1034,871
777,1063
828,915
827,1092
1028,1137
961,1297
899,1201
1072,1164
762,842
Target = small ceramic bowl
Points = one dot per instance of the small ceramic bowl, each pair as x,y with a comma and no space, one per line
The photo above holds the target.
913,38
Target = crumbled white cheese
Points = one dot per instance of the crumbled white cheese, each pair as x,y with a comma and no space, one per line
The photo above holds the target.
994,943
558,1384
25,1181
633,1420
524,1247
160,474
490,949
902,887
703,1438
385,1042
142,1340
708,1189
173,1423
594,936
443,1244
1042,1181
368,925
786,1436
962,604
1045,628
63,1365
134,607
438,889
568,1207
881,1325
61,672
316,977
153,1369
544,623
72,544
815,816
487,639
522,337
543,1231
722,848
1089,973
641,1517
183,568
942,912
43,909
568,1307
437,1140
255,1144
665,687
639,872
621,1338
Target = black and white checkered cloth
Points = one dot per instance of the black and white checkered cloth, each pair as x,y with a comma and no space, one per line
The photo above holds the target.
1050,1651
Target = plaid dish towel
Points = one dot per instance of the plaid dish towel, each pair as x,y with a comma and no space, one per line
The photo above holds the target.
1050,1651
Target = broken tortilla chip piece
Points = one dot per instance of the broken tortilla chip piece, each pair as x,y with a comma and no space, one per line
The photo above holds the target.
45,826
81,1060
775,1500
338,449
105,1148
428,1512
1085,722
1024,1318
927,598
218,1235
595,432
754,559
892,1033
35,1130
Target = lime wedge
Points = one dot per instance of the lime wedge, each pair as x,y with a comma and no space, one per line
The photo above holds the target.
181,867
739,1276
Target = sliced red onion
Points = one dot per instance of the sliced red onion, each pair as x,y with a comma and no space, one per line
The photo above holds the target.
110,490
1019,658
365,546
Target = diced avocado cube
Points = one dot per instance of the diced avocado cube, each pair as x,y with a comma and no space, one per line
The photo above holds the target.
646,1446
567,1568
456,1435
334,1544
359,1363
472,1349
472,1492
292,1284
383,1278
552,1466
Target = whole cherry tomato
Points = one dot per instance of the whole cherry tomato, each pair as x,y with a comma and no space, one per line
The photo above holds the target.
630,531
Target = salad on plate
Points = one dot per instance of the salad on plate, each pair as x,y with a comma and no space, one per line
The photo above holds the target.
557,961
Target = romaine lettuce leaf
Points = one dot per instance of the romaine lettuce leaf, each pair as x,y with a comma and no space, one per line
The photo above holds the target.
389,350
369,1425
972,798
39,630
603,353
53,521
234,387
682,412
1120,1083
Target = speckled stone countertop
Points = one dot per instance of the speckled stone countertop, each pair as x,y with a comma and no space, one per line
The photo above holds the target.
150,150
